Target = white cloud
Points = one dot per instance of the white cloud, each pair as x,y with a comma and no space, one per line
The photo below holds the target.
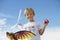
51,34
3,21
6,15
3,35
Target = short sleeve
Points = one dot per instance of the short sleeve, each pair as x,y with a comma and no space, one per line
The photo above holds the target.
39,27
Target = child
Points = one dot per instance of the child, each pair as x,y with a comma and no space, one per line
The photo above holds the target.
32,25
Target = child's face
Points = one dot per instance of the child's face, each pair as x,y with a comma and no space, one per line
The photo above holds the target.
29,16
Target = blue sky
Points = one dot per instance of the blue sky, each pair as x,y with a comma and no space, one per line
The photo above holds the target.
9,10
49,9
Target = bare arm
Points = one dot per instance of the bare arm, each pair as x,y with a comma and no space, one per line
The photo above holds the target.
41,31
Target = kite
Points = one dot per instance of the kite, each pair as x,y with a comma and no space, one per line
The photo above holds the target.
21,35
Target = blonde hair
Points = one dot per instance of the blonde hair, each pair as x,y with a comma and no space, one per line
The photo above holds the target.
29,11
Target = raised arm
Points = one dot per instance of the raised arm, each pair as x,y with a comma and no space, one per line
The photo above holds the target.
41,31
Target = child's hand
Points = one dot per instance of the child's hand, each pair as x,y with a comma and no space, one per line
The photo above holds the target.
46,21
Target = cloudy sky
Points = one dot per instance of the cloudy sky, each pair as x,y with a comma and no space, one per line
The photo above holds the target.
50,9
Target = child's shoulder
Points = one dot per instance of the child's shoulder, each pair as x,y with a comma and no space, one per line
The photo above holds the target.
26,24
35,23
